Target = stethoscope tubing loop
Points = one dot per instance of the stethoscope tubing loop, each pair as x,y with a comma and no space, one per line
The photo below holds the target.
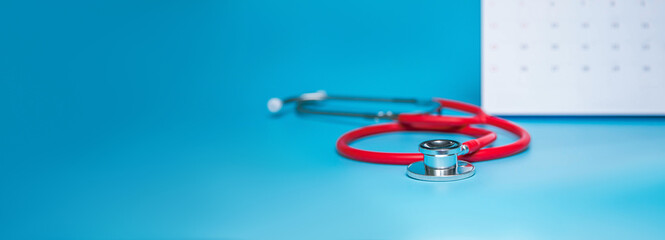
436,123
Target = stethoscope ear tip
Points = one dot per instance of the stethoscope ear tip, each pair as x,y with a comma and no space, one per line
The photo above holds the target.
274,105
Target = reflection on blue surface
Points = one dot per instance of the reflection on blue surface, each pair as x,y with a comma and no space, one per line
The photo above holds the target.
128,119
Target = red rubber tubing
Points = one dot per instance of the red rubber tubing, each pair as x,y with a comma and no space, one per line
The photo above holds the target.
426,122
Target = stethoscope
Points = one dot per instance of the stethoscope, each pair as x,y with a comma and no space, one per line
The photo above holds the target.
439,159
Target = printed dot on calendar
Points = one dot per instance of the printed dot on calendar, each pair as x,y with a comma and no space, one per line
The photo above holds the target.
645,25
553,45
616,46
615,25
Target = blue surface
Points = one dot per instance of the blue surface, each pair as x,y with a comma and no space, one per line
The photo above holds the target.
147,120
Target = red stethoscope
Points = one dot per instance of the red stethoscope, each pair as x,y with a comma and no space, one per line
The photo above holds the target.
438,160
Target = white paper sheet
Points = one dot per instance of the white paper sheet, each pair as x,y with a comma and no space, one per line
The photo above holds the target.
574,57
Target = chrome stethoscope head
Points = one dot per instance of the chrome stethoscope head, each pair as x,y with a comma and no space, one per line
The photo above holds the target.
305,101
440,163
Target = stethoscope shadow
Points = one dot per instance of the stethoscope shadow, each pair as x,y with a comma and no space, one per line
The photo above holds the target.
356,122
280,114
349,121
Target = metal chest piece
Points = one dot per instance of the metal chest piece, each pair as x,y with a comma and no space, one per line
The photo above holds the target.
440,163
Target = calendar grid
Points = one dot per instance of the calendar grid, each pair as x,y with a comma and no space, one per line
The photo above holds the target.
572,57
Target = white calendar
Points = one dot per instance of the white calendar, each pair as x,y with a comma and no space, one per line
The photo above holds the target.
573,57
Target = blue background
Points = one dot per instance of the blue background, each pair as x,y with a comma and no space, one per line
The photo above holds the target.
147,119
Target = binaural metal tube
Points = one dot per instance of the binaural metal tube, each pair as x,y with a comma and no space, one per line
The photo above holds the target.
307,99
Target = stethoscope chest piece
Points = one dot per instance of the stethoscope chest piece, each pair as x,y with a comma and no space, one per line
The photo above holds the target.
440,163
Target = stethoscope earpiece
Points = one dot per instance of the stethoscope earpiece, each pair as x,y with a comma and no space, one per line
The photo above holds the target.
440,163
